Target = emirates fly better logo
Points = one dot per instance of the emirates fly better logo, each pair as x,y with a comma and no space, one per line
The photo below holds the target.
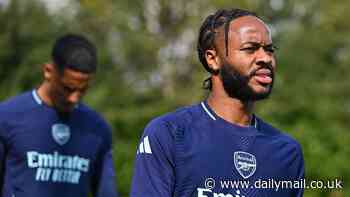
245,163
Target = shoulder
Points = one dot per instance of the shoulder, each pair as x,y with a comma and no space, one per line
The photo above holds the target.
19,103
280,136
17,107
159,136
289,148
94,120
172,121
91,115
13,109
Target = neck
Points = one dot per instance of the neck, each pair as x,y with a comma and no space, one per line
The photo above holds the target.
43,93
230,109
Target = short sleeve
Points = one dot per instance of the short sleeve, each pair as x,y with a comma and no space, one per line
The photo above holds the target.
154,163
299,170
105,177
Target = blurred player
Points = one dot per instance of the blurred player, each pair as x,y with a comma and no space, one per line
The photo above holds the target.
52,145
194,150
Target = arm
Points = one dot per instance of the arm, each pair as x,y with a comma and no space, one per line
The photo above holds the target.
106,180
104,183
154,163
299,171
2,166
2,158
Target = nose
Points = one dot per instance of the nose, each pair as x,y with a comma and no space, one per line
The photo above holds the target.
264,57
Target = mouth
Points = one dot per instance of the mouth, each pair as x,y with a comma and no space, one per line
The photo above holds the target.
263,76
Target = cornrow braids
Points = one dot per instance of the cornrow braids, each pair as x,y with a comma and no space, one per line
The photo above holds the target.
208,31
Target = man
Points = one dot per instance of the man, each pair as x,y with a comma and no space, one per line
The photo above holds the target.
219,147
51,144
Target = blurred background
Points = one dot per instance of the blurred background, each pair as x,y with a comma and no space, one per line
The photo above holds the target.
149,66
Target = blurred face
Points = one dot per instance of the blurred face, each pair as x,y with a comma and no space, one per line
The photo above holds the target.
247,71
67,88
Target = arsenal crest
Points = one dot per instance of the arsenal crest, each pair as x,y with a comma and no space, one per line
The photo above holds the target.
245,163
60,133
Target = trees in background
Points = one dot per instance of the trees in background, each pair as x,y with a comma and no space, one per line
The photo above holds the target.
148,66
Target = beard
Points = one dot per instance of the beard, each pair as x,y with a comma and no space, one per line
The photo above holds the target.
62,108
236,85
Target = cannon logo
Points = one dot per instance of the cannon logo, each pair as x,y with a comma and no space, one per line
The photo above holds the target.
245,163
60,133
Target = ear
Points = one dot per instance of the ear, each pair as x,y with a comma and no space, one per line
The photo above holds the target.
213,60
48,71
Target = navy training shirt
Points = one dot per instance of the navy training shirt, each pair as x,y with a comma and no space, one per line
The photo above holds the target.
194,153
45,155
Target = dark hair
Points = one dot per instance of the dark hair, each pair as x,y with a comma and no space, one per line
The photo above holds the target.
74,52
208,31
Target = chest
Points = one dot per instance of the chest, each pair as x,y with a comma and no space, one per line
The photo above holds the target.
48,136
223,155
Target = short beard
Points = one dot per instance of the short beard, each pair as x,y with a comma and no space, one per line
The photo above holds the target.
237,86
62,114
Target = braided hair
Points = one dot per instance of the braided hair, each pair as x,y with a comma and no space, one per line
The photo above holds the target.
207,33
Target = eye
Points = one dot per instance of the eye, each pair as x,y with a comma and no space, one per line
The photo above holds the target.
270,48
250,49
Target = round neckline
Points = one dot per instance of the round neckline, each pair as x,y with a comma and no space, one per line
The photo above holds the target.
246,130
38,100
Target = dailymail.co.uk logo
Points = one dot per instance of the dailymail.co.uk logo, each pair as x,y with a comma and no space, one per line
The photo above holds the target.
245,163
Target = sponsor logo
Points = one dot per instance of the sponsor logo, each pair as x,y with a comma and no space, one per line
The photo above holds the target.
245,163
202,192
57,168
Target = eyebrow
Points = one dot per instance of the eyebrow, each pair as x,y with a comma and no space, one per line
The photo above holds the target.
257,43
72,86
